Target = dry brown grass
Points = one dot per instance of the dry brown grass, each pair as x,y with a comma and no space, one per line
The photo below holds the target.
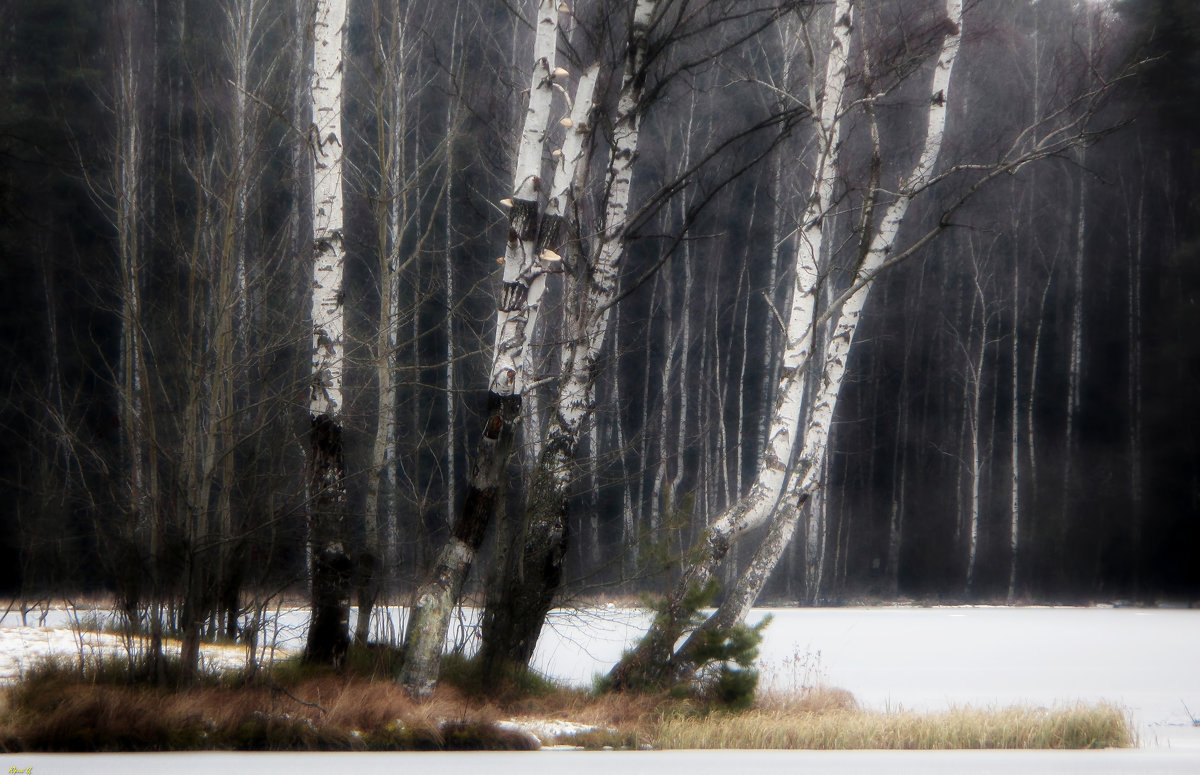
64,710
320,713
1100,726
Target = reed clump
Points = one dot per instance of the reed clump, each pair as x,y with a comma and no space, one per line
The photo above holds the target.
1084,726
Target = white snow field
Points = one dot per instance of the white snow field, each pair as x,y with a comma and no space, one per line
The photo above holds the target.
1145,660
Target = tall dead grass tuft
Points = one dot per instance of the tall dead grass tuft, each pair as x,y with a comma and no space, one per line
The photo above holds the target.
1099,726
811,699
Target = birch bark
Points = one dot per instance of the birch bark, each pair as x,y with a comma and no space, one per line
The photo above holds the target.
805,476
655,649
518,609
524,279
328,635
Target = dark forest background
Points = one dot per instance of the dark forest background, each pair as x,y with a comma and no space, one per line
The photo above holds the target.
1056,324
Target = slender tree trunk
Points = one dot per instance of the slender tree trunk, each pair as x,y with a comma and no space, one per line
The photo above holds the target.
451,398
806,474
130,155
1014,461
523,283
328,635
1134,380
379,511
900,453
1076,350
654,652
974,382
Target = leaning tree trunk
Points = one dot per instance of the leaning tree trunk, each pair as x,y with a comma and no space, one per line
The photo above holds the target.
806,476
329,630
518,606
524,281
652,657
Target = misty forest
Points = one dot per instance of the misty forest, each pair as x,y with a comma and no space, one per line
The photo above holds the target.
390,302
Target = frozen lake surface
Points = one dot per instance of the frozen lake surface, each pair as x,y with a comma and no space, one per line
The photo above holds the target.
1118,762
1141,659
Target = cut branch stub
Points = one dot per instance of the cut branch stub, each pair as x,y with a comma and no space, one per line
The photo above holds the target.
492,429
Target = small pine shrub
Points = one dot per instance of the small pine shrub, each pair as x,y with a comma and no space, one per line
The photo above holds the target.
722,661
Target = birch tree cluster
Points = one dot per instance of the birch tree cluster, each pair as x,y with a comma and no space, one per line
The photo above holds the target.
526,304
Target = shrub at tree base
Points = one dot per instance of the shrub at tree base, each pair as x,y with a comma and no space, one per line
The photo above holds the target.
719,668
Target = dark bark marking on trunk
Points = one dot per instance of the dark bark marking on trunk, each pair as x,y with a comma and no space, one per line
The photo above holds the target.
332,570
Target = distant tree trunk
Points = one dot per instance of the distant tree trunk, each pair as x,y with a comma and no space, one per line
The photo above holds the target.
1076,347
1137,238
131,196
1014,461
523,283
130,155
329,630
451,398
1074,360
973,387
391,213
900,453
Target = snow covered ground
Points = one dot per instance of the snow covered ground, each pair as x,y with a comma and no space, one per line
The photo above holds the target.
1145,660
1141,659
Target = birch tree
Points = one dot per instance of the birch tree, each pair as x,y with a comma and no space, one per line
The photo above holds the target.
656,657
653,654
523,283
518,607
328,635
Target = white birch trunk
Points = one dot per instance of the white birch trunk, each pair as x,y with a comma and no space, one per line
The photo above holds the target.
806,476
325,138
328,636
757,506
1014,460
524,276
523,283
517,605
789,34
